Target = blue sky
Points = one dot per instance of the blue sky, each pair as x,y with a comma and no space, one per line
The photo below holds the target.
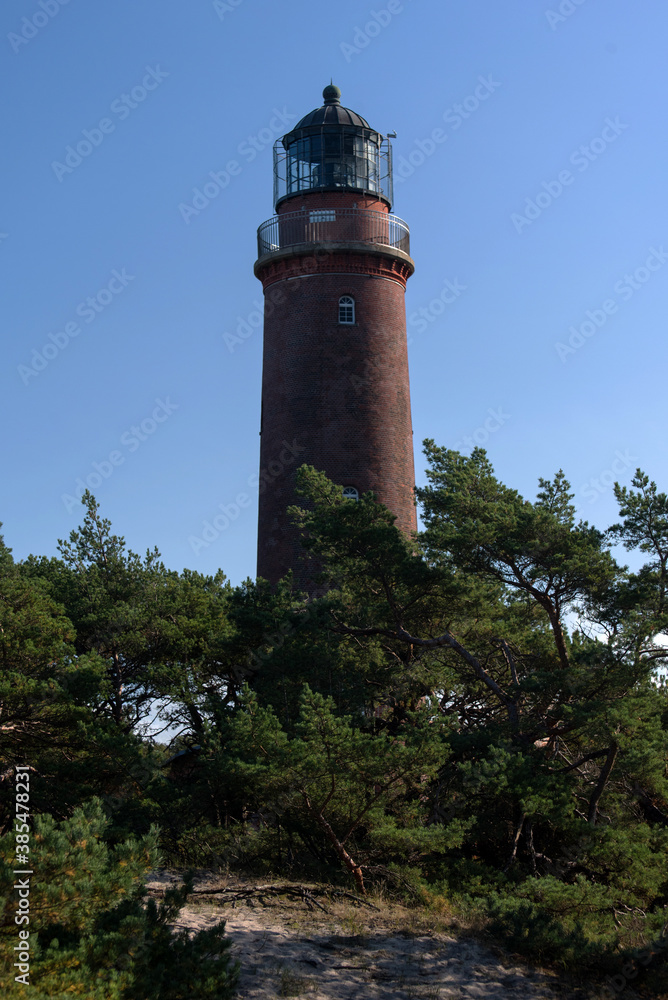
530,164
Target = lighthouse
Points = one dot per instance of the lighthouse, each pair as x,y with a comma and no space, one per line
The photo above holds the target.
333,262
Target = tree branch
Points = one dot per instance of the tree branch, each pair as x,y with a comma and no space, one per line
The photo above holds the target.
601,783
583,760
441,641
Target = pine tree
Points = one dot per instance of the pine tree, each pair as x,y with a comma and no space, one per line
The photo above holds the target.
91,931
543,653
360,792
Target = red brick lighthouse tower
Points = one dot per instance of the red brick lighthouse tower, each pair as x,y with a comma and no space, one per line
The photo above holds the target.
333,263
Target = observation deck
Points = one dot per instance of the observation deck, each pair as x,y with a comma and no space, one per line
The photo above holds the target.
344,228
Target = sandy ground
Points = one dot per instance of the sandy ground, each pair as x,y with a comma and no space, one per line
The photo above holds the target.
287,950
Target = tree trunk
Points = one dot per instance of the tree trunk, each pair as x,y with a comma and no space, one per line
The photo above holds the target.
354,869
557,632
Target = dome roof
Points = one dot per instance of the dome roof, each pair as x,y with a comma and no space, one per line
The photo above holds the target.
332,113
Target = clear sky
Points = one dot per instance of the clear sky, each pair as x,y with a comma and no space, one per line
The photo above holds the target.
530,164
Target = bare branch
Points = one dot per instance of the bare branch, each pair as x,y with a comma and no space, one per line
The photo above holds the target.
600,785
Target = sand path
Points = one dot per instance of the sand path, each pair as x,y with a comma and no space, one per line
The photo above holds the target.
349,953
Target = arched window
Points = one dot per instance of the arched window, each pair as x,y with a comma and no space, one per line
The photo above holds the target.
346,309
350,493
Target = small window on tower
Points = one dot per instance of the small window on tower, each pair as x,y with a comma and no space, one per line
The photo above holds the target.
346,309
322,215
350,493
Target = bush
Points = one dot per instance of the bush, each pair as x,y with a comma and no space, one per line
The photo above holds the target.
92,933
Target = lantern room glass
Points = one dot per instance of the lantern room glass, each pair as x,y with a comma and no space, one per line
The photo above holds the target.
332,157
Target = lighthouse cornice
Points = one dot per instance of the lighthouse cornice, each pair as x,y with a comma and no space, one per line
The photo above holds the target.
334,258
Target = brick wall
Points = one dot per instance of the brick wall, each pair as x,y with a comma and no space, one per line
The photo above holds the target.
334,396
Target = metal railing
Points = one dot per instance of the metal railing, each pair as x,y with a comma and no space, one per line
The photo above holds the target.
332,225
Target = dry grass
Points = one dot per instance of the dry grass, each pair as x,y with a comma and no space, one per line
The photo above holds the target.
395,952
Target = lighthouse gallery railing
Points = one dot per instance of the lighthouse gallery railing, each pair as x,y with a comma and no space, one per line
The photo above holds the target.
332,225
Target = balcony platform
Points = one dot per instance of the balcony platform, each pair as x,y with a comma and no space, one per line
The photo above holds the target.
344,227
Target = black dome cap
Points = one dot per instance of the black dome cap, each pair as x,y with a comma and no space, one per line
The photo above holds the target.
332,113
332,94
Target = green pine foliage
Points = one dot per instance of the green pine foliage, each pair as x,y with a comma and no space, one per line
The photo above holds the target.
360,792
92,932
543,652
480,711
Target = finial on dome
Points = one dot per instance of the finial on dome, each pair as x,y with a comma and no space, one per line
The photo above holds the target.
331,94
